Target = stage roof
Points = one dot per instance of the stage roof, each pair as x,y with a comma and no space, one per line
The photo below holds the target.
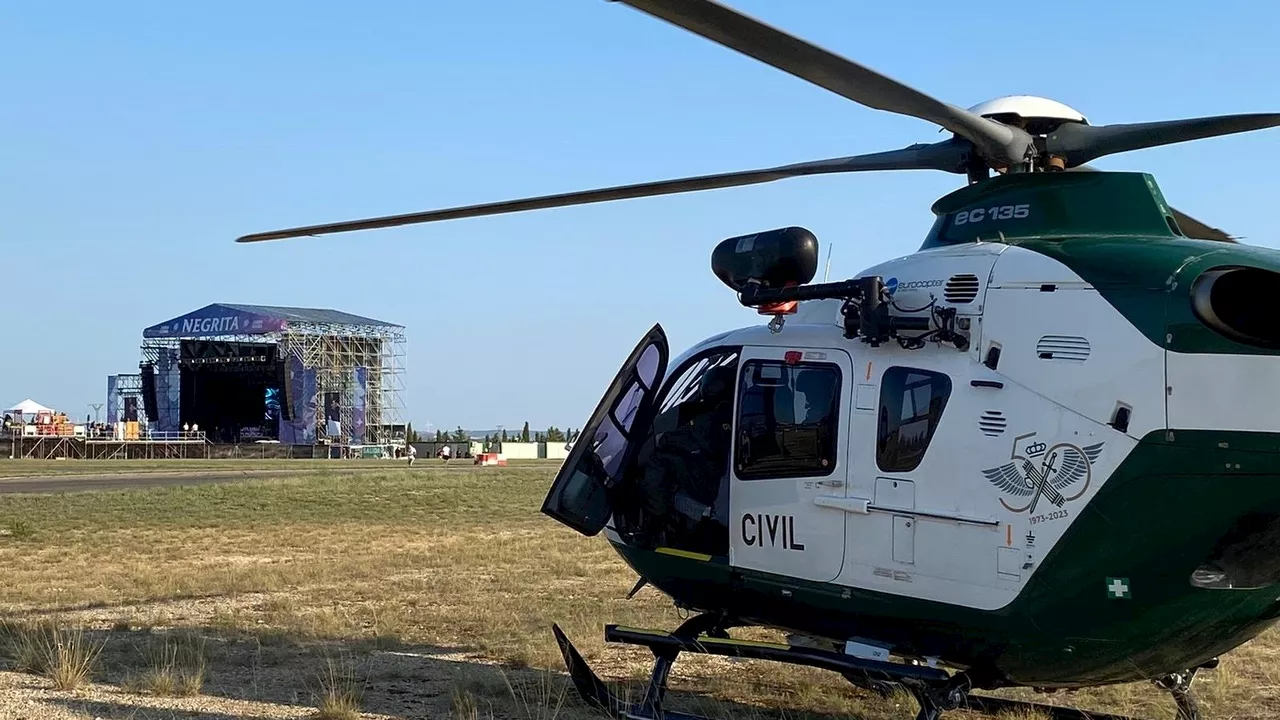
222,319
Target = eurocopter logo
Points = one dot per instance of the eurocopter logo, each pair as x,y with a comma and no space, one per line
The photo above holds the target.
1037,470
893,286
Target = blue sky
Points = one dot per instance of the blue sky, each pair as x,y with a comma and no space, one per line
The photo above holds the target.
142,138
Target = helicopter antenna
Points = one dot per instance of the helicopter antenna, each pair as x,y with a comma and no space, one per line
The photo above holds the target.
826,275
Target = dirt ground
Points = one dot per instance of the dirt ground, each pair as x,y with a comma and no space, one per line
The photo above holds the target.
404,593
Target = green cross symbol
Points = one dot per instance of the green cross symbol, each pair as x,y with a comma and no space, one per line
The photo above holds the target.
1118,589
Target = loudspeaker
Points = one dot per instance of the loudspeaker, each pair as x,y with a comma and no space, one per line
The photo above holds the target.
286,392
149,391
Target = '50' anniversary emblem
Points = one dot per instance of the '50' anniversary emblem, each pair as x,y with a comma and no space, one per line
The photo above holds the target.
1060,473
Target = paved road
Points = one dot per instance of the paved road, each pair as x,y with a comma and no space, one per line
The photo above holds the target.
120,481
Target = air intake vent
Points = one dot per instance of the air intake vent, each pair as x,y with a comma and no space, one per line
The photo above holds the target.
992,423
1069,348
961,289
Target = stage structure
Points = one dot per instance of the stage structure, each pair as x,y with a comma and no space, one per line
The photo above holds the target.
124,399
253,372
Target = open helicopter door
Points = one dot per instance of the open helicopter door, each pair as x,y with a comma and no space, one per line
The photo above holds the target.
789,462
581,495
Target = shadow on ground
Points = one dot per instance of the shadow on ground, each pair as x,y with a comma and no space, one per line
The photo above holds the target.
269,675
125,710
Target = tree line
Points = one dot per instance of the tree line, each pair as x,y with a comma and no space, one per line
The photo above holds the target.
552,434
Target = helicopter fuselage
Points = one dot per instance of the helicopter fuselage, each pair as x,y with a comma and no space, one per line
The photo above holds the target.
1086,491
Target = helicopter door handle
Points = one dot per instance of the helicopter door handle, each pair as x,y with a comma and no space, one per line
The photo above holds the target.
987,383
860,506
830,483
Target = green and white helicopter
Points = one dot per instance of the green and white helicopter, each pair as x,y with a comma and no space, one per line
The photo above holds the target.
1041,451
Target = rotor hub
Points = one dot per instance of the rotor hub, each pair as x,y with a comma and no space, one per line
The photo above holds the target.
1036,115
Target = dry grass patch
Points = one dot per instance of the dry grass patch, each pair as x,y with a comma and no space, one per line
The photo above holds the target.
175,666
66,655
439,584
528,695
340,692
1023,715
540,698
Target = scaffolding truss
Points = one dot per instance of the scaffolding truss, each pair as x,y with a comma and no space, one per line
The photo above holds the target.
73,448
124,392
335,352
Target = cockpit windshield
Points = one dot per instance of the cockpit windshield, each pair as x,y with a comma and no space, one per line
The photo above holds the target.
690,382
611,439
583,493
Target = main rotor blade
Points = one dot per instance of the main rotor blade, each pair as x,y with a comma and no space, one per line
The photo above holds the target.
1190,227
949,156
825,69
1081,143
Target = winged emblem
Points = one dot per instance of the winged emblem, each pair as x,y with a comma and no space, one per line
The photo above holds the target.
1059,474
1009,479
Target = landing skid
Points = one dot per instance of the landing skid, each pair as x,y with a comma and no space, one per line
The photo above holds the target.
934,690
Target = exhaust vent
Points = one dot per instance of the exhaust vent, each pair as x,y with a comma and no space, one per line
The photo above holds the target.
992,423
1068,348
1228,300
961,289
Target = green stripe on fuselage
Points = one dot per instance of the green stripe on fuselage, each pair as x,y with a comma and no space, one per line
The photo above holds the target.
1114,230
1152,523
1148,281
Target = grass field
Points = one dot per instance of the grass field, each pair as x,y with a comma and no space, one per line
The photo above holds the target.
408,593
36,468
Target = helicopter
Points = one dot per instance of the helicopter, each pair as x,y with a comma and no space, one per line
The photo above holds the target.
1040,451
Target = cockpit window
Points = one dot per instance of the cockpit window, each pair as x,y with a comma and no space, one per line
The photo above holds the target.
911,404
788,418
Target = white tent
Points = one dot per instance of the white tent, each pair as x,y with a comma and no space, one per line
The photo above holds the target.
29,408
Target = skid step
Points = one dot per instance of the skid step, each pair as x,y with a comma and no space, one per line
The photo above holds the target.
846,665
934,690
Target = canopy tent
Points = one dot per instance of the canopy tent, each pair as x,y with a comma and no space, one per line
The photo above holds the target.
29,408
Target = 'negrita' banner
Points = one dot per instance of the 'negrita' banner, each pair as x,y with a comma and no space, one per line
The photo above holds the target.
215,320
